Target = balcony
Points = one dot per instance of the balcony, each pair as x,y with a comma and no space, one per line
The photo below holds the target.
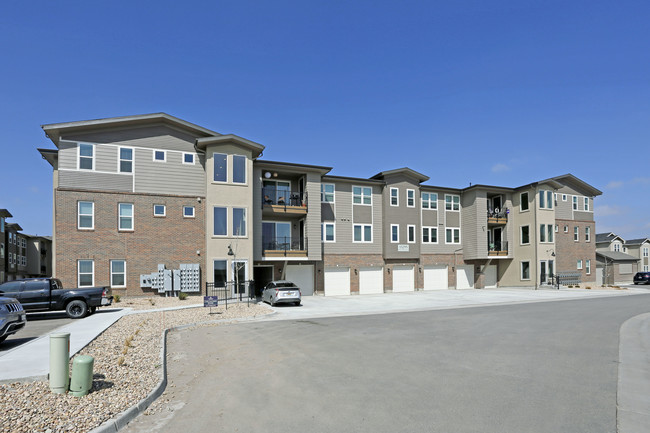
282,201
498,249
283,247
497,216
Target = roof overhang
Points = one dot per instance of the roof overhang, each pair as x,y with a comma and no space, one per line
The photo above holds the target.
50,155
616,256
571,180
278,165
255,148
349,179
403,171
5,213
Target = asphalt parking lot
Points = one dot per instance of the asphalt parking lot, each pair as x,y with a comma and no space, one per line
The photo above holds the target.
40,323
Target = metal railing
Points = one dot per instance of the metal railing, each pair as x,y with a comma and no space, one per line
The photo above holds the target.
498,247
567,279
283,197
229,291
280,243
498,213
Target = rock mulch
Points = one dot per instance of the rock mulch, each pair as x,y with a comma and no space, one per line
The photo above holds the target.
127,368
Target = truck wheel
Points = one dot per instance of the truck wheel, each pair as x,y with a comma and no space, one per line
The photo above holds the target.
76,309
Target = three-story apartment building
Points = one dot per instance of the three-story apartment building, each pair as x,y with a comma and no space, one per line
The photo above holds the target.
134,192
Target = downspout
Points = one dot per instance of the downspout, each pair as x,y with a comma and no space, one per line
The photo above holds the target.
536,231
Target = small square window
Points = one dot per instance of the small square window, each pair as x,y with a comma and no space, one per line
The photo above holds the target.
160,155
188,158
159,210
188,211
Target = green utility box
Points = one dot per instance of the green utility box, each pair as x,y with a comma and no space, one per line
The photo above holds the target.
82,375
59,362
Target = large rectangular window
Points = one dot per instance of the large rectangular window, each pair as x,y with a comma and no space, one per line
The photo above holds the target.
525,235
362,233
220,221
126,160
361,195
118,273
86,156
86,215
429,235
239,222
327,192
429,200
525,270
452,202
546,233
220,161
220,273
238,169
125,219
523,201
545,199
452,236
85,273
328,232
394,197
410,198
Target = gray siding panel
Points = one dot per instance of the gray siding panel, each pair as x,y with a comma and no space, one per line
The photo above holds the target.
429,218
452,218
313,220
170,177
362,214
67,155
327,212
95,181
154,137
106,158
583,216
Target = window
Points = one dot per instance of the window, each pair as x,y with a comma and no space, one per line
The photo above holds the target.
429,235
328,234
188,211
410,197
394,233
525,270
452,236
566,229
579,264
576,233
549,232
545,199
361,195
220,221
327,192
588,266
86,156
557,228
85,273
394,197
126,160
525,235
429,200
118,273
85,215
586,200
564,197
410,234
159,210
220,273
452,202
645,251
220,167
125,220
542,232
238,169
587,234
362,233
188,158
2,250
575,202
239,222
523,199
617,246
160,155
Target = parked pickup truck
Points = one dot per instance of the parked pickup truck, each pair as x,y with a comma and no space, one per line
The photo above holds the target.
48,294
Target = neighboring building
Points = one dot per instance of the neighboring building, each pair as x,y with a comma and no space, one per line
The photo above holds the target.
134,192
39,256
618,259
640,249
22,255
4,214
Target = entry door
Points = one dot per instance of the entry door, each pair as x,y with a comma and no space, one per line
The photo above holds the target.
239,271
542,272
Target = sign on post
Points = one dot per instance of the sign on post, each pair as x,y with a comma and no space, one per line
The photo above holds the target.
210,301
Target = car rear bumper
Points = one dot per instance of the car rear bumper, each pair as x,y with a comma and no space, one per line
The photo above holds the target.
12,324
286,300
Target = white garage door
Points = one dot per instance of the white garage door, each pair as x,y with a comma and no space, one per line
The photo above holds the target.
303,277
403,279
337,281
490,277
371,280
436,277
599,276
465,277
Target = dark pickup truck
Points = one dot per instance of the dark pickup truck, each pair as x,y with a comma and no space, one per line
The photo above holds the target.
48,294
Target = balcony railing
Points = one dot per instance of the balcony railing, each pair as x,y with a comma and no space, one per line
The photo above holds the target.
282,198
498,249
498,216
283,247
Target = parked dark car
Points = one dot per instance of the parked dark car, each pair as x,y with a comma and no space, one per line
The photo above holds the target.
642,278
12,317
48,294
282,291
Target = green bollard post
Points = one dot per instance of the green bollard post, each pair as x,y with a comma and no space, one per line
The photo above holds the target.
59,362
82,375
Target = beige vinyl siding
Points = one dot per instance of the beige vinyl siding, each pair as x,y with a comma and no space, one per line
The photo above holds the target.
313,220
106,158
161,137
473,239
257,213
67,155
171,176
429,218
438,221
583,216
95,181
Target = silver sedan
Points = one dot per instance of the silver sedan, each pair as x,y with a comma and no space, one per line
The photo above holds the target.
282,291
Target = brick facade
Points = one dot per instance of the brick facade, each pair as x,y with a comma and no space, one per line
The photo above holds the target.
568,251
171,240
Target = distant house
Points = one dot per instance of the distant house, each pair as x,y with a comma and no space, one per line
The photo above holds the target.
640,249
614,264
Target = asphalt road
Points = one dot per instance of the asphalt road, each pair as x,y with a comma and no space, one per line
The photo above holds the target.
542,367
37,324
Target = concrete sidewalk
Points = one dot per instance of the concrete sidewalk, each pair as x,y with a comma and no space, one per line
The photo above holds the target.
31,360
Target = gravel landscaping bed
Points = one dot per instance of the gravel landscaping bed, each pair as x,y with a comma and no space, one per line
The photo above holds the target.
127,368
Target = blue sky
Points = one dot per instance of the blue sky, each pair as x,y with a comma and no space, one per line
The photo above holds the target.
501,92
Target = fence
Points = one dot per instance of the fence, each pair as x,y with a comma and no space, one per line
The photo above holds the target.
568,278
229,291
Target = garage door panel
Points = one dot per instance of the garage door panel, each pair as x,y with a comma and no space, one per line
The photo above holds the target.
371,280
436,277
403,279
303,277
464,277
337,281
490,276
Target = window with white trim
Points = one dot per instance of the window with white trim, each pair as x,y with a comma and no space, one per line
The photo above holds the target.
452,235
239,169
188,212
566,229
394,197
525,271
394,233
575,202
586,199
429,200
327,192
362,233
410,198
118,273
239,222
220,216
188,158
587,234
617,247
564,197
410,233
429,235
125,218
86,156
452,202
159,210
523,201
546,233
579,264
160,155
220,161
126,160
576,233
362,195
545,199
524,237
328,232
85,273
85,215
645,251
588,266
